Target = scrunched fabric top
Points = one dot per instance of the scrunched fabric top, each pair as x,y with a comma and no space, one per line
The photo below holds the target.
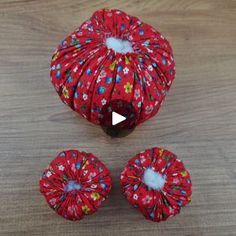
157,183
87,73
75,183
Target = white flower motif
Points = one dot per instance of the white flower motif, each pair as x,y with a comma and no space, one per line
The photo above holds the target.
126,70
85,96
142,159
49,173
88,85
135,197
61,167
103,74
52,201
93,186
91,175
75,69
136,93
148,109
99,60
147,199
104,101
139,104
98,80
150,68
175,181
171,210
130,38
79,33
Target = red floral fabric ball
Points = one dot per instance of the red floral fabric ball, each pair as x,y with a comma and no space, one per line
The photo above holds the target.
75,183
157,183
87,73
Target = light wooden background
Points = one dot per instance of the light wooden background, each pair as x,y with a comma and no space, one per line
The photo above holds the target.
197,120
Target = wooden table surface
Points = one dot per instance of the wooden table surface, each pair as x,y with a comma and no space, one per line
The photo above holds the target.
197,120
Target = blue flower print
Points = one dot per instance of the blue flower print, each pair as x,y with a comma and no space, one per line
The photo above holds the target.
180,203
69,79
76,94
135,187
88,72
58,74
108,80
118,79
98,109
154,65
73,154
137,161
63,42
141,32
78,165
103,185
151,215
122,27
58,66
146,43
78,45
81,62
62,154
119,68
163,60
101,90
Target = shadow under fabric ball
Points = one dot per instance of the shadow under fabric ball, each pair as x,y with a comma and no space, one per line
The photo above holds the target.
113,56
75,184
157,184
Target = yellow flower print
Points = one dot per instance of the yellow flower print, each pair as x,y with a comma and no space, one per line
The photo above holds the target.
95,196
184,173
65,92
113,65
55,56
132,177
85,209
161,151
126,60
128,87
85,164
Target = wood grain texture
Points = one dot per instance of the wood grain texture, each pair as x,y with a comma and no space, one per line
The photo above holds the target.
197,120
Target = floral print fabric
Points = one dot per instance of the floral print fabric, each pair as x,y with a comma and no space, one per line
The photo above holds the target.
87,74
75,183
157,205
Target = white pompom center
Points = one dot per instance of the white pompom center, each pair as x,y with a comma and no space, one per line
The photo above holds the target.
153,179
119,45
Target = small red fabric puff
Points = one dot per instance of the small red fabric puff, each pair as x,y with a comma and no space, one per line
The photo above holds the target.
75,183
87,74
156,204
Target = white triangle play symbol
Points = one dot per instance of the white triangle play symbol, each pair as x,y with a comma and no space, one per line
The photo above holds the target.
117,118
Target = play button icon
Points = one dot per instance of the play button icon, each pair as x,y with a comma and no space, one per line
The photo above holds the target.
117,118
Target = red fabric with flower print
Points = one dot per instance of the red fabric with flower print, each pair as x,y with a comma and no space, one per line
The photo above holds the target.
87,75
157,205
75,183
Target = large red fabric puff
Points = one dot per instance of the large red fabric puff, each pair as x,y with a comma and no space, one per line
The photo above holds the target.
87,74
157,204
75,183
